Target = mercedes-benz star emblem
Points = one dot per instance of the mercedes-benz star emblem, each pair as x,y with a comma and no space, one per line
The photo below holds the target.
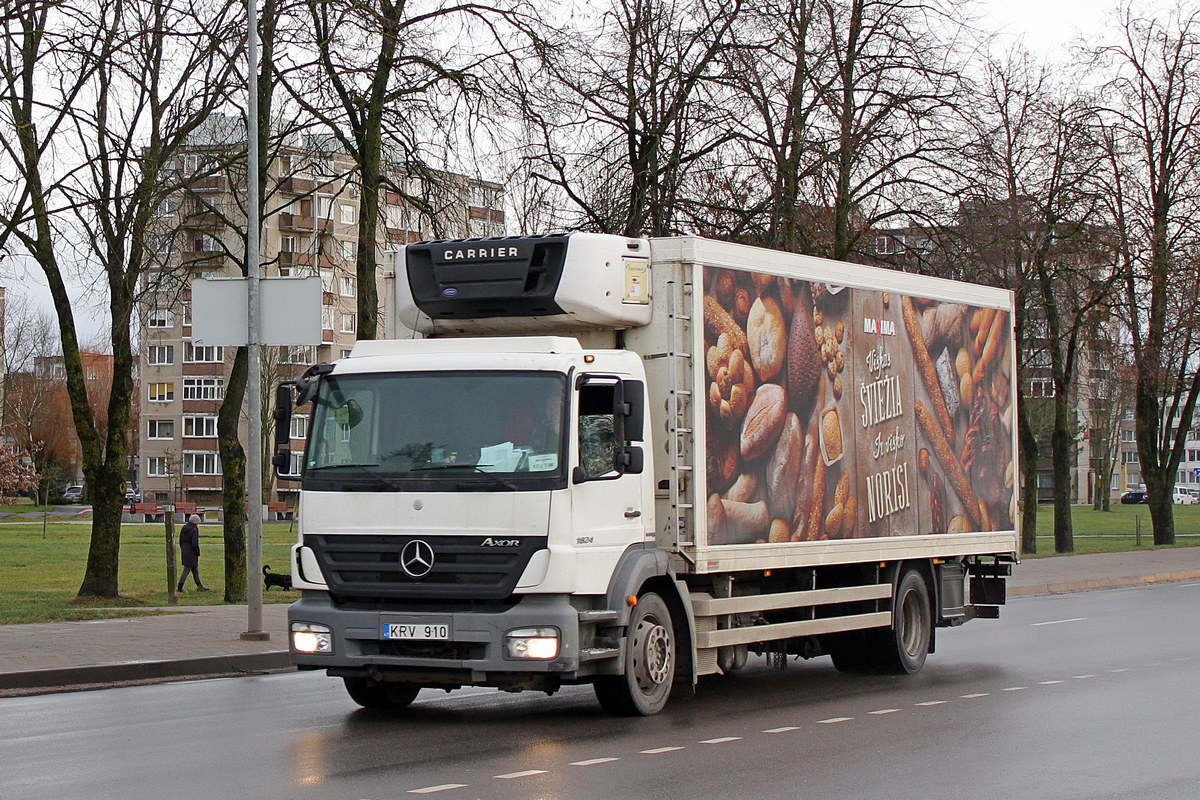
416,559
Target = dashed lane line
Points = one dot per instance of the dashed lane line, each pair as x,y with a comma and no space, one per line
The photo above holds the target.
445,787
1015,689
973,695
658,750
525,773
880,712
593,761
833,720
1058,621
784,729
721,740
933,703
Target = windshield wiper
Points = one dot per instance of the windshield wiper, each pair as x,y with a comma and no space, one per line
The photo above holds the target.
477,468
344,466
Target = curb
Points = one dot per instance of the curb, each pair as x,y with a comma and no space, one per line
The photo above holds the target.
1100,583
143,671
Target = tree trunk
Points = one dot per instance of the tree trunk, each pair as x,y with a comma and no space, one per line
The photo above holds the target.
233,484
1028,449
1062,447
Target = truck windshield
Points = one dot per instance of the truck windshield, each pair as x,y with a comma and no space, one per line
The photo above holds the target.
452,431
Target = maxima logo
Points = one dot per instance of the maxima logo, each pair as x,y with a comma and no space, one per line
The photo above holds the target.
416,559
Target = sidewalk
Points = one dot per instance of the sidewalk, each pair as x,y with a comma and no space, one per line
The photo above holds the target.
205,641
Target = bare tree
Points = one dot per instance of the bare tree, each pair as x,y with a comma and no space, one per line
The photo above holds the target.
626,110
97,97
1153,113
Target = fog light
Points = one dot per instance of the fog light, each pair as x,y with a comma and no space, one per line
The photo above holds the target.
308,637
532,643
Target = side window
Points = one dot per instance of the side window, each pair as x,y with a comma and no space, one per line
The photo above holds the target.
597,439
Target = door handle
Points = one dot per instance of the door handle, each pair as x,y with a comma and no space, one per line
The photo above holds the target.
632,513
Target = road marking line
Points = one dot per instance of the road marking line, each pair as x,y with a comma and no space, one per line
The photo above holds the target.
658,750
592,761
973,696
442,788
1153,664
721,740
833,720
784,729
882,711
1059,621
1015,689
1123,669
1050,683
1082,677
523,774
933,703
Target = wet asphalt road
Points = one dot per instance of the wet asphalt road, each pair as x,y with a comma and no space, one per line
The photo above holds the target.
1091,695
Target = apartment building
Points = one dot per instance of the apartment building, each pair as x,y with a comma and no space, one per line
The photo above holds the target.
310,228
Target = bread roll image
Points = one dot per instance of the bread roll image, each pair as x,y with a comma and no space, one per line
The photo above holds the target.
764,421
804,363
767,337
783,469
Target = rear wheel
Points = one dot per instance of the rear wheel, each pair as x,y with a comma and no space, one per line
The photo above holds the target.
386,696
903,647
649,663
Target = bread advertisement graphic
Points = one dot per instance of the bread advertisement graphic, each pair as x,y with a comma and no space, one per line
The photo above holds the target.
834,412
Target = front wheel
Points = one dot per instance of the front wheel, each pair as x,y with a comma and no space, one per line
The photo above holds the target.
382,696
649,663
904,646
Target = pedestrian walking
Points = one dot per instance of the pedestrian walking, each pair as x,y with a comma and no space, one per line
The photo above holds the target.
189,548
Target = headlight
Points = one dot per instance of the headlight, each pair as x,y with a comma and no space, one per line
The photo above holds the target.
532,643
308,637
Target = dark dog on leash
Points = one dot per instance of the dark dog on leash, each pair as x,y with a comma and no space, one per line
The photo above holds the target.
283,581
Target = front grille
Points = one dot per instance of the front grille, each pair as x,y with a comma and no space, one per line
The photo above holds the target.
463,568
451,651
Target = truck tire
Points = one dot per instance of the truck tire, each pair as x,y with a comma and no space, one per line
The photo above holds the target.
649,663
903,647
383,696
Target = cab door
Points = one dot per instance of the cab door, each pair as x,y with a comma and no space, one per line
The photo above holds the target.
607,504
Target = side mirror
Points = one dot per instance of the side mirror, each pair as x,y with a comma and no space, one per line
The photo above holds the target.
282,414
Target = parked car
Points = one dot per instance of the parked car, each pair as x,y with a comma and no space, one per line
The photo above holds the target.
1183,497
133,495
73,494
1134,496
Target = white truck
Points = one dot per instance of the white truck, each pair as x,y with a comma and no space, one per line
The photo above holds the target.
630,462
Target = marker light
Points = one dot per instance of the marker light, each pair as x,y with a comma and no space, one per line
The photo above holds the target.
540,643
308,637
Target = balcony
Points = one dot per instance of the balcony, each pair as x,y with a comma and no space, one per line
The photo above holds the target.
209,183
295,185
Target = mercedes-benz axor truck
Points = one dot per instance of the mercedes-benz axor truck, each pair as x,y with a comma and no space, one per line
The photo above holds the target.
628,462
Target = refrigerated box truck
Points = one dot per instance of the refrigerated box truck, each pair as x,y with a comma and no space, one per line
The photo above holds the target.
631,462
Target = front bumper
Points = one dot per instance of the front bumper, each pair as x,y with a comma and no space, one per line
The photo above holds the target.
474,655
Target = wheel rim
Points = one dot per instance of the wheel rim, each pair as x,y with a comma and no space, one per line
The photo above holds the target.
653,651
911,625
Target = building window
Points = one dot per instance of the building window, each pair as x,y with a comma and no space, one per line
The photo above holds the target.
201,426
160,318
161,392
348,321
160,429
203,388
1041,387
327,318
326,279
203,243
345,354
347,213
287,244
299,429
1128,435
348,248
883,245
193,354
349,286
160,355
324,208
297,354
1129,457
156,467
206,463
295,464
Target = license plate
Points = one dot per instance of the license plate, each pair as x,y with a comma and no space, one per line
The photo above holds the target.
393,630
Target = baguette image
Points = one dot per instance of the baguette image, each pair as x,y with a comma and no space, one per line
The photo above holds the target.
949,461
933,386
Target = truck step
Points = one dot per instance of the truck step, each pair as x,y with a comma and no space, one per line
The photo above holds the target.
598,653
595,617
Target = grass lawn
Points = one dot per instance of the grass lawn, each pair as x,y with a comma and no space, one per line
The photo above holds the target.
40,573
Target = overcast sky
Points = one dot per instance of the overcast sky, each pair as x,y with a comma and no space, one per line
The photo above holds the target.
1047,28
